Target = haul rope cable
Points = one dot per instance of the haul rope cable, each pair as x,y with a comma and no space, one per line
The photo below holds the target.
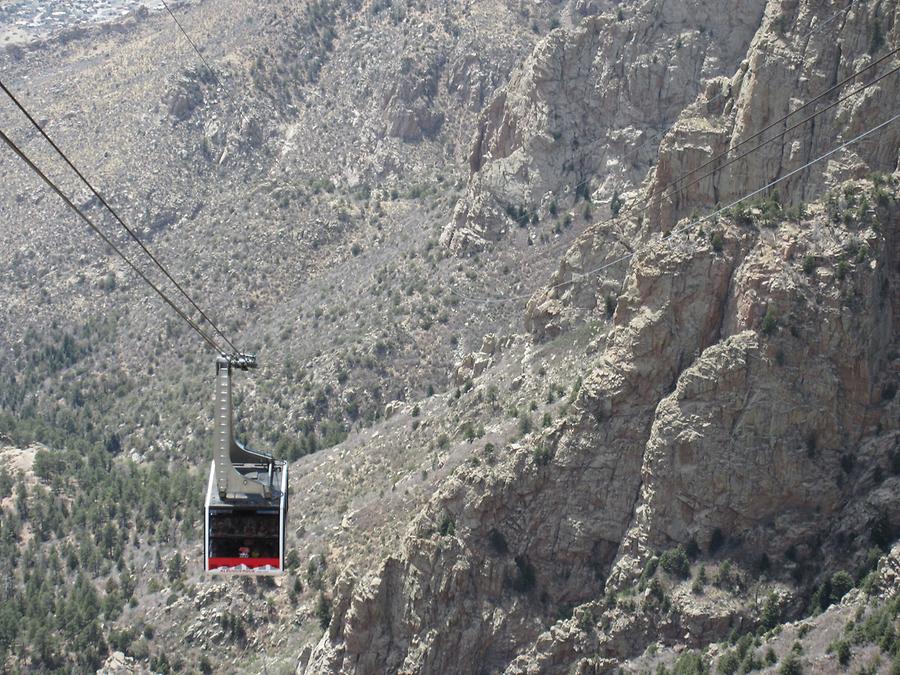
776,136
784,118
658,194
721,93
209,68
634,151
638,198
629,208
649,201
15,148
554,247
717,212
550,249
191,42
762,50
115,215
547,251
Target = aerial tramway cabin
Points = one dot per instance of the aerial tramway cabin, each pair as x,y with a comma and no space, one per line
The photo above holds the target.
246,497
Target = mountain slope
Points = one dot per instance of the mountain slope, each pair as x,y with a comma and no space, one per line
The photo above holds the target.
742,400
505,458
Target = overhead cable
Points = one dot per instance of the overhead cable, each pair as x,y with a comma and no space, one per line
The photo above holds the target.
649,200
15,148
629,208
209,68
115,214
722,209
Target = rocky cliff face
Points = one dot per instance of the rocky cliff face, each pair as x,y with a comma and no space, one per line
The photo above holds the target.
585,113
741,396
782,71
292,195
704,418
688,433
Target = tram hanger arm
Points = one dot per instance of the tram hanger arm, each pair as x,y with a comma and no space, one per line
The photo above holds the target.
228,451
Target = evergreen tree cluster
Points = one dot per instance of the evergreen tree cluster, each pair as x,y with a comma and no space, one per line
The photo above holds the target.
69,547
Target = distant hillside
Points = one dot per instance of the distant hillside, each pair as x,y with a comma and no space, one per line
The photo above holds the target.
556,397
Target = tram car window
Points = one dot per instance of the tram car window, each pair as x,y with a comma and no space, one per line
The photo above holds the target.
246,537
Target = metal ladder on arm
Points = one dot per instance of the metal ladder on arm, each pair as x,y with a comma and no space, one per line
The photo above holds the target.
229,452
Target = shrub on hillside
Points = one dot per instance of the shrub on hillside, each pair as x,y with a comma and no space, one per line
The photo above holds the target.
770,322
771,614
675,562
791,665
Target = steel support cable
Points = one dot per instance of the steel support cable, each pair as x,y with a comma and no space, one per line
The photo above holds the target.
648,202
121,222
191,42
21,154
207,66
657,195
722,209
762,50
784,118
630,208
499,301
781,134
634,151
